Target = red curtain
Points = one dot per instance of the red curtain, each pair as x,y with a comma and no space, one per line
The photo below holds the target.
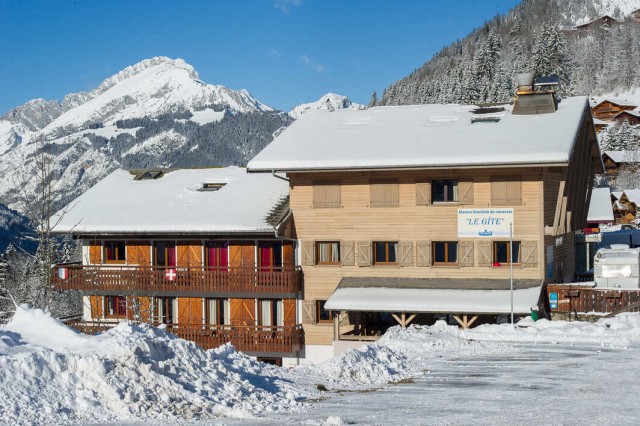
265,256
218,256
171,255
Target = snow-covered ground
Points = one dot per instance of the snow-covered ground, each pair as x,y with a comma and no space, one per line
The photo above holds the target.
548,372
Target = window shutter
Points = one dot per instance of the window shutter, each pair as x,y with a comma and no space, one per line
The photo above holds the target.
95,252
308,248
326,195
347,251
309,312
405,249
423,193
364,253
384,194
465,192
423,253
465,253
484,253
529,254
289,306
96,307
506,191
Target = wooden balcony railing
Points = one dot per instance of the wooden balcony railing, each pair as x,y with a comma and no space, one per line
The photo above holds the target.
578,299
152,279
270,339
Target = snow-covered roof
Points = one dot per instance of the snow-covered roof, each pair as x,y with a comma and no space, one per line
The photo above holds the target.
621,156
422,136
597,121
616,101
432,300
617,194
633,195
600,207
176,203
633,113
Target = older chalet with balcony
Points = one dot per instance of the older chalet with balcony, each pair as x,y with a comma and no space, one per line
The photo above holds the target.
205,251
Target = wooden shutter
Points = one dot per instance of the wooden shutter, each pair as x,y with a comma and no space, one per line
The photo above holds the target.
347,252
308,253
405,252
506,191
326,195
242,254
242,311
288,257
95,252
465,253
364,253
529,254
309,312
195,254
384,194
289,307
465,192
144,305
423,253
139,253
485,253
96,306
423,193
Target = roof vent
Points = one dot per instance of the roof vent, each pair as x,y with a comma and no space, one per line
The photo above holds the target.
488,110
484,120
212,186
149,175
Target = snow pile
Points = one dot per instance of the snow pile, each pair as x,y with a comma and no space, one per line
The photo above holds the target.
50,374
372,364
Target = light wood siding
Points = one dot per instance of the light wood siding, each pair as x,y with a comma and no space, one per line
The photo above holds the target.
423,193
506,191
326,194
384,194
139,253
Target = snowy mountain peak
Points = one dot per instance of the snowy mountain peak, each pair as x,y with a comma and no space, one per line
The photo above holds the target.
328,102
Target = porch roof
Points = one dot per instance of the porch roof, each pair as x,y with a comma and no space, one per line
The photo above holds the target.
475,296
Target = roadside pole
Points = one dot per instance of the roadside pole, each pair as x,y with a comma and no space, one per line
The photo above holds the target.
511,266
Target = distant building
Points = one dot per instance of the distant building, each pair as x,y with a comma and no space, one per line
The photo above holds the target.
604,23
606,111
600,208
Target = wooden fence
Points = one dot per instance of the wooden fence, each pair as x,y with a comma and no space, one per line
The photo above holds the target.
188,279
262,339
579,299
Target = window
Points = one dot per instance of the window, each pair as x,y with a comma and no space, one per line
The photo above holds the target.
217,255
115,306
167,310
165,254
327,253
322,315
506,191
444,191
445,253
114,252
217,311
326,194
270,254
501,253
384,253
384,194
270,313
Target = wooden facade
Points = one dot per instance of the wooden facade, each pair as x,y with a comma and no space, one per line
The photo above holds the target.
549,202
607,109
207,290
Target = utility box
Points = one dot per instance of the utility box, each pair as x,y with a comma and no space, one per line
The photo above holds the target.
617,267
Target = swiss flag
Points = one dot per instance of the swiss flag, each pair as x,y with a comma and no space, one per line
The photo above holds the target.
170,274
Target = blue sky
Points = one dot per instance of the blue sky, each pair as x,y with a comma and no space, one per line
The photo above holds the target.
285,52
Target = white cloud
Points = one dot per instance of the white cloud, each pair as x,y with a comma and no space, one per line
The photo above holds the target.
275,52
285,5
317,67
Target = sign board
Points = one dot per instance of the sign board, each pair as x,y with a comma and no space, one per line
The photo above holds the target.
592,238
484,223
553,300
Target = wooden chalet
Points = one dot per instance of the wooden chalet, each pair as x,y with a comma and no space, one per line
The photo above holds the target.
630,116
606,109
614,161
207,252
602,23
377,196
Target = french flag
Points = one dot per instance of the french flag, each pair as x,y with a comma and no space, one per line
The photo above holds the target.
63,273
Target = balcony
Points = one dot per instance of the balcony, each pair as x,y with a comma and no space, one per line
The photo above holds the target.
181,280
251,339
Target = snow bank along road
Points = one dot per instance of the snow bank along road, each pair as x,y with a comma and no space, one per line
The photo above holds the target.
550,372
